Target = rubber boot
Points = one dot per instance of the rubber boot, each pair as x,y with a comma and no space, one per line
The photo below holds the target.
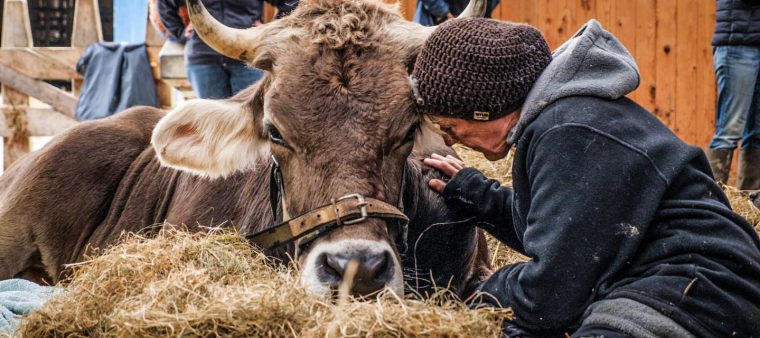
720,163
748,173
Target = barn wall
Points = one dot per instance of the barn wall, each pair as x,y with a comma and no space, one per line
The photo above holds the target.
669,38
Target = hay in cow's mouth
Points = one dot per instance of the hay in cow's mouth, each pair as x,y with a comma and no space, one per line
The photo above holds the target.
215,284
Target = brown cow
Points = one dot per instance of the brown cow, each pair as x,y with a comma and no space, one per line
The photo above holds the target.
336,112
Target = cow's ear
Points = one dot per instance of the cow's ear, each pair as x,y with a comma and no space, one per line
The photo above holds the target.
209,138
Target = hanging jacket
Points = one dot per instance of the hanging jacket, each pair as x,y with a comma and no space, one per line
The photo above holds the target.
615,212
116,76
738,23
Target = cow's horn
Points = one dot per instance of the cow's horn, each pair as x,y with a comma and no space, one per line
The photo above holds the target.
475,9
240,44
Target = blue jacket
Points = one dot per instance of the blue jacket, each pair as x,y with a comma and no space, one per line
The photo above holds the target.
610,205
117,76
233,13
738,23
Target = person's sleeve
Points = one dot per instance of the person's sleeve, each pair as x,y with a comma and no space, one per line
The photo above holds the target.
168,13
438,8
592,196
470,194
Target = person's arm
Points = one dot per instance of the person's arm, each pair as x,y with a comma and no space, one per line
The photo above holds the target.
438,8
592,200
470,193
168,12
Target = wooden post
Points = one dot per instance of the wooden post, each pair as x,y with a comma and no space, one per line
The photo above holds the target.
86,31
17,32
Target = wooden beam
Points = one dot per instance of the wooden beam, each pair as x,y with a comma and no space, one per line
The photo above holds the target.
39,66
87,29
60,100
17,32
40,121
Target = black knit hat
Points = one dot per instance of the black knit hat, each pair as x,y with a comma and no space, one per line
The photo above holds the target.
478,69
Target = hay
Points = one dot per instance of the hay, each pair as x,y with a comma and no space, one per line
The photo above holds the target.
215,284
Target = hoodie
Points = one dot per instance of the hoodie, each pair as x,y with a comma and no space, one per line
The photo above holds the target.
623,223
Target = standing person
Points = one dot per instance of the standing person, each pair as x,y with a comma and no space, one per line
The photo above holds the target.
212,75
627,232
434,12
736,57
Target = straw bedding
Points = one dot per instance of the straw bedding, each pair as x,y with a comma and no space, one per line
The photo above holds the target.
215,284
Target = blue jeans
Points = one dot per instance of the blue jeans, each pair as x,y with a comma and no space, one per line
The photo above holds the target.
221,80
737,70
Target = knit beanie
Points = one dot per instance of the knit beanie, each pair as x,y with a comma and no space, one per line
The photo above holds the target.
478,69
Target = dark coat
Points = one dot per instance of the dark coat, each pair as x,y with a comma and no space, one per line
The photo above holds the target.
738,23
232,13
117,76
609,204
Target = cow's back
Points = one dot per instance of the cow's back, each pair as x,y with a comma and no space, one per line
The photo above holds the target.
52,200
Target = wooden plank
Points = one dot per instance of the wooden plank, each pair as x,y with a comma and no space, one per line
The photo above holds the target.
164,94
87,28
646,52
68,56
530,12
624,28
510,11
665,83
686,70
60,101
40,122
604,12
36,65
706,91
17,30
584,11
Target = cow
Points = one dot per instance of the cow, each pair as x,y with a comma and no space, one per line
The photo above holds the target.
335,112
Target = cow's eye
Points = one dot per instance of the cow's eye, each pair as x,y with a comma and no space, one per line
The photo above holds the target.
409,137
275,136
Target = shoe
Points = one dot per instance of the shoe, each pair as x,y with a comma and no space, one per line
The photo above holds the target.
720,163
748,173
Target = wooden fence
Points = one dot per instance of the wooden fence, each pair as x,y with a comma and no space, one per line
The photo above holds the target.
670,40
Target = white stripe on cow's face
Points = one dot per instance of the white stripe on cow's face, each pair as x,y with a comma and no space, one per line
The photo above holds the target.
313,275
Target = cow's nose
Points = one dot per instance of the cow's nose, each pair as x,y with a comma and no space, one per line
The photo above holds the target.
753,195
373,271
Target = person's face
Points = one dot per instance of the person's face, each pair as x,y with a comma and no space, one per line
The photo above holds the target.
487,137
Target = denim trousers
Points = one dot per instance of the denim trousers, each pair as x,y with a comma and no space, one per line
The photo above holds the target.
221,80
737,71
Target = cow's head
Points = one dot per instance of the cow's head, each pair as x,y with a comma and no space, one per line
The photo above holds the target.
336,111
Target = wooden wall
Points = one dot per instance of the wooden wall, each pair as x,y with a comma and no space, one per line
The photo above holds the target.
670,40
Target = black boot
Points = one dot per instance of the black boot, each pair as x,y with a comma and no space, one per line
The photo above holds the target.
720,163
748,173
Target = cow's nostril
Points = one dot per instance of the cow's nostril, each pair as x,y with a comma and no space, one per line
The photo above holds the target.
373,271
753,195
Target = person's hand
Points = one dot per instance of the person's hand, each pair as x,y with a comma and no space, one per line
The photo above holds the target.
189,30
448,165
257,23
449,16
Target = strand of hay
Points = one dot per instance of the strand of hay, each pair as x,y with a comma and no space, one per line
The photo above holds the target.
215,284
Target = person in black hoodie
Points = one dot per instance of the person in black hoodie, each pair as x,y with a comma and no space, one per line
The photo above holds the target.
627,232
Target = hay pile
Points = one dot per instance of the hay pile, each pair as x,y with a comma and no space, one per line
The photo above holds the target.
215,284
